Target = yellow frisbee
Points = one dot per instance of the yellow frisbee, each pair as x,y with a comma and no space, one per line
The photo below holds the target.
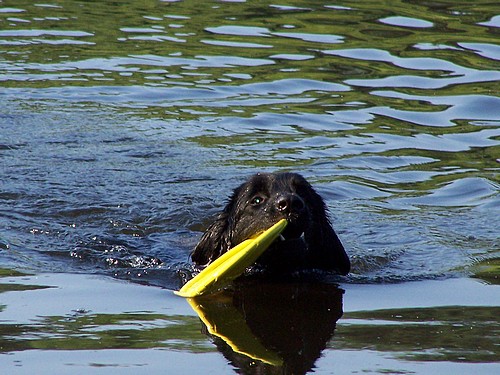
231,264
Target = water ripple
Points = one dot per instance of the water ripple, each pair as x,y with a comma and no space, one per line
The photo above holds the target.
460,107
407,22
455,74
125,128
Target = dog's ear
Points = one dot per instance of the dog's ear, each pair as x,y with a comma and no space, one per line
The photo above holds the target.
327,252
212,242
217,238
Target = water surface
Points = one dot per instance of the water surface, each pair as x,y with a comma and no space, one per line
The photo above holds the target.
125,125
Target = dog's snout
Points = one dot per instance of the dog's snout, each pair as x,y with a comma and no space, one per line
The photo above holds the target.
289,203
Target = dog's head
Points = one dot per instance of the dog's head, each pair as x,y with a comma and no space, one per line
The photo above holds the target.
262,201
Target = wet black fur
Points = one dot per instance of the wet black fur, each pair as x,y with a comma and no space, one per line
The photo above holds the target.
310,241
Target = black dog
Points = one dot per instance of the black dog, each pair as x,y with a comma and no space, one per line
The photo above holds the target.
308,241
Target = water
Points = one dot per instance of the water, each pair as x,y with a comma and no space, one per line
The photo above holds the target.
125,125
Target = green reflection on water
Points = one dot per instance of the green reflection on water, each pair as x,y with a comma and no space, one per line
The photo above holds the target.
11,287
177,31
82,330
488,270
456,333
102,331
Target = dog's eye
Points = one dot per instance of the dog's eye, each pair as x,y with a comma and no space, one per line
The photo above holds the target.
257,200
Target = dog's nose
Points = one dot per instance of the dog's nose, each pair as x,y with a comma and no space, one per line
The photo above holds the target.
289,203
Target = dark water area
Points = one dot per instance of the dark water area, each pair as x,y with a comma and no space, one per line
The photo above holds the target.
125,125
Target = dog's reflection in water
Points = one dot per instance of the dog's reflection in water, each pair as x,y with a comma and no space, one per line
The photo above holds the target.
271,327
